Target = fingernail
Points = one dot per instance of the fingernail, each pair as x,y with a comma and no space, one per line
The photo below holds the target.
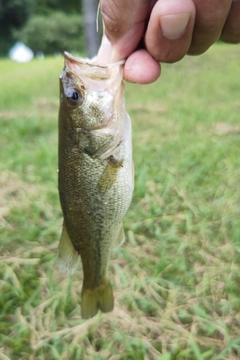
174,26
105,51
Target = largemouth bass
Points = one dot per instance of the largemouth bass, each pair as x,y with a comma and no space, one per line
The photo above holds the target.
95,174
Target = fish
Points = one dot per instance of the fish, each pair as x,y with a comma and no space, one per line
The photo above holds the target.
95,176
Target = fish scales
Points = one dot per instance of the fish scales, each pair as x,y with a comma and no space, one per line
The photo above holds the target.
95,174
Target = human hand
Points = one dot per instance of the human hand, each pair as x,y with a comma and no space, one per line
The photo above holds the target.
170,30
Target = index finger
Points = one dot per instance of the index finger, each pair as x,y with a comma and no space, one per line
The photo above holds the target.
124,23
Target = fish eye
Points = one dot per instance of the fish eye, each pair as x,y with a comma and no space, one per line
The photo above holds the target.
75,98
74,95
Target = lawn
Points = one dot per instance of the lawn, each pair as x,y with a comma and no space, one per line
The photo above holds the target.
177,277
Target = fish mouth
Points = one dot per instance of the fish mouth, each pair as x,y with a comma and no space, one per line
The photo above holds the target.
90,68
91,62
86,67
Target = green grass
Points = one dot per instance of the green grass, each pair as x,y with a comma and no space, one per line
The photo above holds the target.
177,278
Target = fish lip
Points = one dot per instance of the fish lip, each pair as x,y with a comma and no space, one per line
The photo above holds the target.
77,60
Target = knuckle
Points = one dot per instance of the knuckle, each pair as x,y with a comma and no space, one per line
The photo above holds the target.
231,30
111,18
231,36
200,44
211,15
169,56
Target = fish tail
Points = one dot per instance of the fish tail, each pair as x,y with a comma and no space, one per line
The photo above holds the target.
100,298
68,259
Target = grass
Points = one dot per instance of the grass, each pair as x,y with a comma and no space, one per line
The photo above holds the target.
176,279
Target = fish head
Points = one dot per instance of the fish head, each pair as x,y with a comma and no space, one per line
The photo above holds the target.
91,96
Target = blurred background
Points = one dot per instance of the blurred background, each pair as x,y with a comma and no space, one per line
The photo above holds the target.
176,279
48,27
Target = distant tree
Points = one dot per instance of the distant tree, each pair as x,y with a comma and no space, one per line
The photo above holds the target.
92,37
46,6
13,14
56,32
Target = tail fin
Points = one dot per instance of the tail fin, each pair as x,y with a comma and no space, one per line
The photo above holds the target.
100,298
68,258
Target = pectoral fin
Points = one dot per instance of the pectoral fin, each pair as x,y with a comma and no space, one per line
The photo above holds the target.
109,175
120,238
68,259
133,173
